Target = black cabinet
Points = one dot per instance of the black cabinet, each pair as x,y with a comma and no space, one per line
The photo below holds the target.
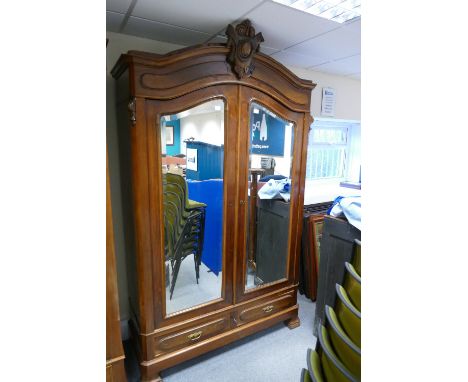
272,242
336,248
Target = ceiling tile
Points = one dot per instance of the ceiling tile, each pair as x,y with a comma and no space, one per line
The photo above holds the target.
342,42
218,39
345,66
268,50
202,15
120,6
113,21
298,60
283,26
163,32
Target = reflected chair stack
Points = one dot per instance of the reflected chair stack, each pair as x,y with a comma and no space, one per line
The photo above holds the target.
337,356
184,223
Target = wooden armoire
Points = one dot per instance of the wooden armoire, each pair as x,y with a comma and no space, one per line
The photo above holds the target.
198,256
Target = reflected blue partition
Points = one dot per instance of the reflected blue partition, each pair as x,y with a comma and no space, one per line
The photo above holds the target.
210,192
209,159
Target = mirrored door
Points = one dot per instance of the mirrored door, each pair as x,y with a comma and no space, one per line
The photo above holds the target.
192,159
271,143
269,193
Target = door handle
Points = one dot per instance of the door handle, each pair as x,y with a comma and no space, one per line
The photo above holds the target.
195,336
268,309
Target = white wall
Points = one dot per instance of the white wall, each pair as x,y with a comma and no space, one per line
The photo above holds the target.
206,127
121,43
348,93
348,106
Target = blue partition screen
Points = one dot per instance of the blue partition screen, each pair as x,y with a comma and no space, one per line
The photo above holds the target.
210,161
210,192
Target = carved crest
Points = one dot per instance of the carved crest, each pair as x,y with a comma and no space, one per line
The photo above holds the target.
243,44
132,110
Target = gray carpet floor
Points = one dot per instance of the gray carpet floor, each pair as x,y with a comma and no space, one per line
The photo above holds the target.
276,354
187,293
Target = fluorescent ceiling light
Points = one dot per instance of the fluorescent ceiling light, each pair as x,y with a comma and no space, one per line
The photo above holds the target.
335,10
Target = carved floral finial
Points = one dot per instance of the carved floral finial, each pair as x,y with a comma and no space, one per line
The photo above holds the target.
243,43
132,110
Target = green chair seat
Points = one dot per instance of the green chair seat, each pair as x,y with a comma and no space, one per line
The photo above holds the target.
194,204
348,353
182,184
348,315
313,366
333,369
305,376
352,285
184,222
357,256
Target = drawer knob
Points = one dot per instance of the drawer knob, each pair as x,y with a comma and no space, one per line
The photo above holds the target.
268,309
195,336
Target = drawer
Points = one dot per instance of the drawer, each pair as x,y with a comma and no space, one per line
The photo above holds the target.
190,335
261,309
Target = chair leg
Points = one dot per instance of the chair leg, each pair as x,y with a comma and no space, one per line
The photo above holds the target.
197,266
174,276
199,252
201,238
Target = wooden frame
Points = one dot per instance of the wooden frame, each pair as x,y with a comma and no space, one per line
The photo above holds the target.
172,107
314,220
154,85
115,371
255,96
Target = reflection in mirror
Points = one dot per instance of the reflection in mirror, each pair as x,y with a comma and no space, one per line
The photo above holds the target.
270,162
192,167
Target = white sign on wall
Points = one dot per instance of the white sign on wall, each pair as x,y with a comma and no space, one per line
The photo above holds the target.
192,159
328,102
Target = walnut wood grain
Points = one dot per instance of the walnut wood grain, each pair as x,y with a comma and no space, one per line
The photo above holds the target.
162,78
293,323
190,336
248,95
243,44
266,308
168,84
115,371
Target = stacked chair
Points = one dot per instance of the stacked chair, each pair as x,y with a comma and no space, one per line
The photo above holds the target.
337,355
184,223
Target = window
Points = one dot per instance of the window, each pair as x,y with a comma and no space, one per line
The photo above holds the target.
334,150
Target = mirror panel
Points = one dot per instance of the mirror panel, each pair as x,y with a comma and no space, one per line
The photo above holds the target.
192,148
269,183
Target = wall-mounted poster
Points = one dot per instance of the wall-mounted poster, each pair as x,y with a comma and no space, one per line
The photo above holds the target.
328,102
267,133
192,159
169,135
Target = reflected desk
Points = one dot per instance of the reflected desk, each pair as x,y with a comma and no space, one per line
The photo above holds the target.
210,192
